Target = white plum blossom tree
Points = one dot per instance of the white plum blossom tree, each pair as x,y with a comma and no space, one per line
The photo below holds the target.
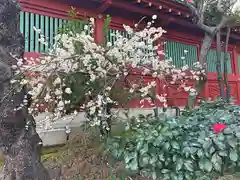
76,56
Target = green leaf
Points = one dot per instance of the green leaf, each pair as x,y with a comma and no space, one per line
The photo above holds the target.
159,164
200,153
207,144
219,144
139,145
145,160
189,165
153,160
233,155
202,164
133,165
175,145
161,157
227,130
158,141
144,149
174,158
238,134
167,146
154,175
223,153
212,150
232,142
127,158
164,171
217,162
179,164
206,165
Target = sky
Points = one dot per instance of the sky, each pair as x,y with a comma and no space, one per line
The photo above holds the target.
237,5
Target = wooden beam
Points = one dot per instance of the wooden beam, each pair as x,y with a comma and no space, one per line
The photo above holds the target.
106,4
150,12
166,5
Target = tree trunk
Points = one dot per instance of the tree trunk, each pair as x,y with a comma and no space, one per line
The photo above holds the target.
19,141
218,65
225,66
199,86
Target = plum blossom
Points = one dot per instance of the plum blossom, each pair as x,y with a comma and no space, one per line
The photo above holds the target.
78,53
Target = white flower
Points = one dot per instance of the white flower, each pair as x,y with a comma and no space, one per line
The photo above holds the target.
68,91
36,30
187,88
154,74
86,27
47,97
131,90
23,82
57,81
58,92
154,17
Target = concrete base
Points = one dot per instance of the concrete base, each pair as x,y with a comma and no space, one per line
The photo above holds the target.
57,135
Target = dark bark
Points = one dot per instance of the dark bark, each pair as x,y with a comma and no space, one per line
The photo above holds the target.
218,65
199,86
198,12
206,45
225,66
19,141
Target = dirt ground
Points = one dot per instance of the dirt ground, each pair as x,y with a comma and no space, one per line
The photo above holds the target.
84,159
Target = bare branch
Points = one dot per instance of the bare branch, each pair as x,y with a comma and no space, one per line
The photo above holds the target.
223,23
201,11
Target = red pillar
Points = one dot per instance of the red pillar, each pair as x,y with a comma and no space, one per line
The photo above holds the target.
236,51
98,30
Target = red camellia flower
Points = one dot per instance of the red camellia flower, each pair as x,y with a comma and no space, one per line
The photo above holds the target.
217,128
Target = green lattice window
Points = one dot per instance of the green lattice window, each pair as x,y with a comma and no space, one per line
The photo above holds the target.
212,59
181,54
49,27
112,38
111,35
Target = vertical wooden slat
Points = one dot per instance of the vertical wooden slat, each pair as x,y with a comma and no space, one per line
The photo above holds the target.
31,48
26,31
22,22
55,27
49,28
42,27
51,32
212,59
60,25
176,51
64,24
37,25
47,32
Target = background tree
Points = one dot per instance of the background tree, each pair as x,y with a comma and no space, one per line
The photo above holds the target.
19,140
210,16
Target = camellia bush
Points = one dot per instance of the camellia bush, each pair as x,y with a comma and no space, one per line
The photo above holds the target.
79,75
201,144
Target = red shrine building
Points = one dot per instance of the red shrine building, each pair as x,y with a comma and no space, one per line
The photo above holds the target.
173,16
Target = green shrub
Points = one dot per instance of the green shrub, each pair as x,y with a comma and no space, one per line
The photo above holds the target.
200,144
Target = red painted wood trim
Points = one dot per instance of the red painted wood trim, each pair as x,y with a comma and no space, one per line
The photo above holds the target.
53,8
235,61
237,73
30,55
98,31
150,12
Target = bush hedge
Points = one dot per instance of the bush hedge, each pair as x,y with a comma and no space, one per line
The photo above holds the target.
201,144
